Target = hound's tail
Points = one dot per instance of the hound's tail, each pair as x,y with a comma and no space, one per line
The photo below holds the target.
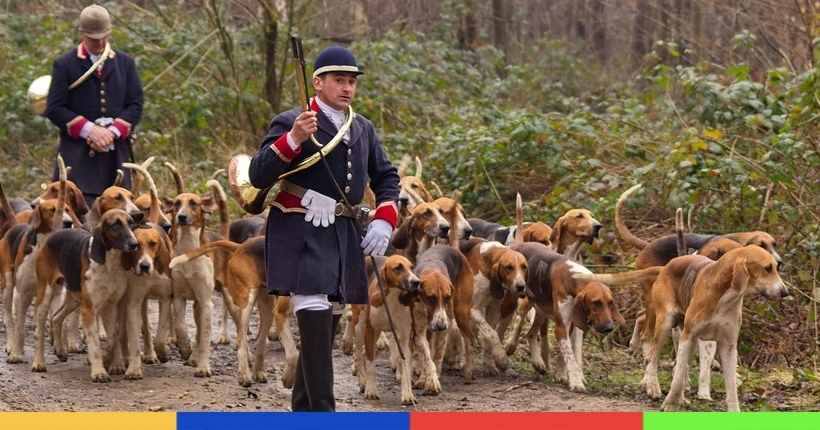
219,245
177,177
519,221
222,203
61,195
650,273
619,221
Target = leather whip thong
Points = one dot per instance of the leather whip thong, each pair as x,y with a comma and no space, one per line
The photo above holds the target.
301,79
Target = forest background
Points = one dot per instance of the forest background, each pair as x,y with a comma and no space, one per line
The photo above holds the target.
712,105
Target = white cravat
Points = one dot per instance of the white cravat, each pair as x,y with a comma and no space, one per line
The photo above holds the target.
337,117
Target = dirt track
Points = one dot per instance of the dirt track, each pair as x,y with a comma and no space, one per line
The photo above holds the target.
172,387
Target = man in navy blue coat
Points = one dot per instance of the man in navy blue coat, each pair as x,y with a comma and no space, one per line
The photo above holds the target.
314,250
96,115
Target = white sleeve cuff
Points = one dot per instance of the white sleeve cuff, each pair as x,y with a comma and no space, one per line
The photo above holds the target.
293,145
114,130
86,129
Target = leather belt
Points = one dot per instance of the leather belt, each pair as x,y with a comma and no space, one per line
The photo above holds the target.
340,209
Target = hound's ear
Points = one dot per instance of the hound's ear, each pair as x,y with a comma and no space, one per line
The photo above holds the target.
496,290
209,204
579,312
402,234
555,237
740,275
97,253
377,299
163,254
613,309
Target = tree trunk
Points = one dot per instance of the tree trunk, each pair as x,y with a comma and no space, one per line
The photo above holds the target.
270,30
599,29
641,31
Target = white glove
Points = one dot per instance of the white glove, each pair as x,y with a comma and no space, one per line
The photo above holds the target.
320,208
377,237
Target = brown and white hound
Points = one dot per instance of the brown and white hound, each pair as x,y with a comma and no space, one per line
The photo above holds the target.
412,190
705,298
147,270
500,275
401,287
246,286
90,266
194,280
661,250
446,276
420,230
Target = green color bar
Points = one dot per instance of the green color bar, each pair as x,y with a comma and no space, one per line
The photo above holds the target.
731,421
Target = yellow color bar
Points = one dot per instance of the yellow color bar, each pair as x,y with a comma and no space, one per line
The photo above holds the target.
88,420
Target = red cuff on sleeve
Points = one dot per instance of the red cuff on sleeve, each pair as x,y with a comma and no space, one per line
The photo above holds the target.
124,130
389,212
284,150
75,128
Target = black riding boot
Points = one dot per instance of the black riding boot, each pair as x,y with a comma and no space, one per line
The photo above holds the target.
313,389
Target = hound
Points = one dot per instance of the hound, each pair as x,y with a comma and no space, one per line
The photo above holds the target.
500,274
18,249
705,298
246,286
147,268
90,266
420,230
192,281
569,233
445,270
660,251
533,232
411,190
401,286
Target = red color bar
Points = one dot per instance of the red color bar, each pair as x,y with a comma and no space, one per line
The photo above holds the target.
526,420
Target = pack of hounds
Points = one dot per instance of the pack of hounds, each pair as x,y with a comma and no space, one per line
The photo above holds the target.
450,286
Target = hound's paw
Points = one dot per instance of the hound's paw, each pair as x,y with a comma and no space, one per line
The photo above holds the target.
287,380
37,367
490,370
133,375
261,377
150,359
432,388
75,348
510,348
245,381
578,388
670,406
100,377
204,372
223,339
116,369
653,390
16,359
408,401
502,362
371,394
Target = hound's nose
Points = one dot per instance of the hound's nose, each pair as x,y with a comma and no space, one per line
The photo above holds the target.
467,233
403,201
145,267
596,229
445,230
440,327
519,288
414,285
604,329
131,245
